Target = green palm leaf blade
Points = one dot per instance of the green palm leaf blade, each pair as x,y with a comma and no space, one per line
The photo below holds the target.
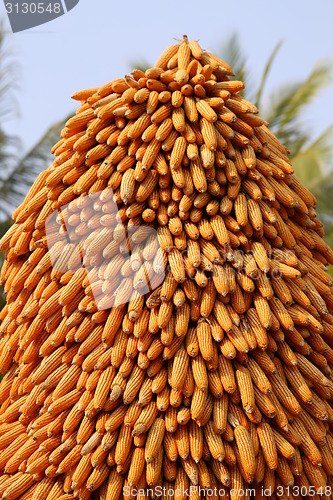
324,194
232,52
141,64
307,169
8,78
288,102
318,78
311,162
3,229
266,72
18,180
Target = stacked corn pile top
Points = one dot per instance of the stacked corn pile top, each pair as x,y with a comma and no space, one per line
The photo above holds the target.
202,359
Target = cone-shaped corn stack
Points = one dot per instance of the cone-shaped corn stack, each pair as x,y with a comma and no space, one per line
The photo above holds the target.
216,374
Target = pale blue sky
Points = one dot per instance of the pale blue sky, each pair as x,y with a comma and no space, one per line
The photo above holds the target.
97,40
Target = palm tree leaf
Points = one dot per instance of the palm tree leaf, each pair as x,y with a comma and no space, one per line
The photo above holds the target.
19,178
318,78
266,73
279,102
3,229
311,162
8,78
232,52
288,102
141,64
323,190
306,168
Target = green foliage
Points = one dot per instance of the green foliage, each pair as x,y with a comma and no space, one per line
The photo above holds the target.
288,103
18,179
232,52
3,228
142,65
8,76
17,172
323,191
265,74
314,160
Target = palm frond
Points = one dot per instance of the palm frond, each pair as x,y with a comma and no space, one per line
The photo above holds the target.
266,72
324,194
8,78
278,104
316,81
141,64
18,180
4,226
287,103
232,52
315,159
323,190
